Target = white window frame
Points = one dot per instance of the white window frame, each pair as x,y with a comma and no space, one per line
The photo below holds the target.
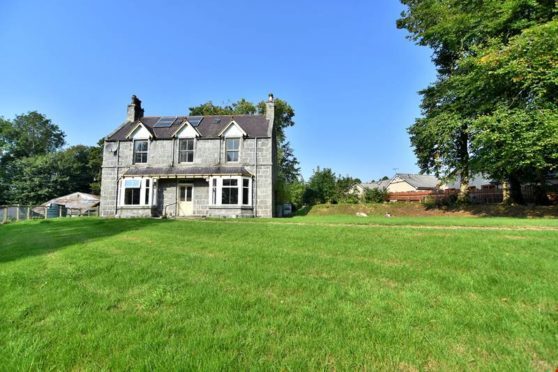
144,191
238,151
219,191
134,151
193,149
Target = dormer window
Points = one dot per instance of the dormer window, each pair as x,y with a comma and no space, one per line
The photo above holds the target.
140,151
186,150
232,148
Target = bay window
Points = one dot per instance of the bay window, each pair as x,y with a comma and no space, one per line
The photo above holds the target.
137,191
230,191
245,191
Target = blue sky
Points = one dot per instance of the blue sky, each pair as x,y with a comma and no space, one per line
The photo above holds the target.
350,75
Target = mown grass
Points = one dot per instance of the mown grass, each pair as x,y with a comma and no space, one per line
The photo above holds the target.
91,294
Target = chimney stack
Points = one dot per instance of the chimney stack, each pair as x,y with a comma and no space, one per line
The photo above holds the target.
270,109
135,111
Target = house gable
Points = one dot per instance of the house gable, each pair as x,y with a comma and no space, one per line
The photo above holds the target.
232,130
400,185
186,130
140,131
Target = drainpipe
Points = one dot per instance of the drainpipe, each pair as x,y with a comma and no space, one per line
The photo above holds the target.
117,178
255,196
173,147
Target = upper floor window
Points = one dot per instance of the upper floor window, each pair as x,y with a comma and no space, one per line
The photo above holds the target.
140,151
232,147
186,150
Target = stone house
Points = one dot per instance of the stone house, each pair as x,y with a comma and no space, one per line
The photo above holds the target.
222,166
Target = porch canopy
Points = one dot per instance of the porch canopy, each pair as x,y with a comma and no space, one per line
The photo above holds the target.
186,172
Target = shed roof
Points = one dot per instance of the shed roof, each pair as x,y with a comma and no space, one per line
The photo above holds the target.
77,200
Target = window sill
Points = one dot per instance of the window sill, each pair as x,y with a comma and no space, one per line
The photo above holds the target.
135,206
228,206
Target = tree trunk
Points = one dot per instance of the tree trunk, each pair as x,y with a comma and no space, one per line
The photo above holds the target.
540,194
506,197
463,196
515,190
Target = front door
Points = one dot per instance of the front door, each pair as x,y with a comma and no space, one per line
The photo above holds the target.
186,200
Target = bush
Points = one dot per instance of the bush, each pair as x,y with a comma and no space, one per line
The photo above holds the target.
375,195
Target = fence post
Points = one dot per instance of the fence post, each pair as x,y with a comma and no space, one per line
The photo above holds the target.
17,212
46,213
59,211
5,217
28,212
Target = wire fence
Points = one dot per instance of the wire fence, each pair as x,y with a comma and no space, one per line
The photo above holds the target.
12,213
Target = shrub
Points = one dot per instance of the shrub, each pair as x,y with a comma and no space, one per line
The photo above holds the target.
375,195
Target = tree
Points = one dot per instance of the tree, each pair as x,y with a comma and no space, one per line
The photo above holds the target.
95,162
468,38
288,165
375,195
33,167
29,135
36,179
323,187
343,186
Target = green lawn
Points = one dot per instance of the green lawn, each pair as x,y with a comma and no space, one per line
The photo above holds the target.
301,293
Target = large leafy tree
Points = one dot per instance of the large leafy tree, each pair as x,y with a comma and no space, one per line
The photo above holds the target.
322,187
34,168
288,165
478,48
29,135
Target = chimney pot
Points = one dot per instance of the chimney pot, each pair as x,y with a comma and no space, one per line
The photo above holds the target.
135,111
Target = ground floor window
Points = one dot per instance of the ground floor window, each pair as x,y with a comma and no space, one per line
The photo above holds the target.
137,191
245,191
231,191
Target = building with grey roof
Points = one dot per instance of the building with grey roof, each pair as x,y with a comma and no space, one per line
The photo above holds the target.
219,165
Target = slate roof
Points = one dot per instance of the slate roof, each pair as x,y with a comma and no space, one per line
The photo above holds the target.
186,171
383,184
418,181
478,181
210,126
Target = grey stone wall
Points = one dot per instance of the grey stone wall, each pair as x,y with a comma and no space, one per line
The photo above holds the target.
230,212
108,192
201,197
117,158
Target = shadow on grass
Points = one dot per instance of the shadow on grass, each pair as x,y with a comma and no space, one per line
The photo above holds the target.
26,239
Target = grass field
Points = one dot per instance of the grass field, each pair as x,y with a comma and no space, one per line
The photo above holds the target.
303,293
